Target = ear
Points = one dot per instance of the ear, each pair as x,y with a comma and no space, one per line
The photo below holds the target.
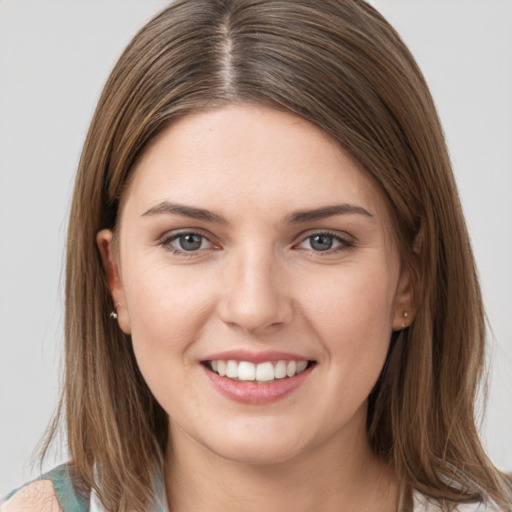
405,308
106,245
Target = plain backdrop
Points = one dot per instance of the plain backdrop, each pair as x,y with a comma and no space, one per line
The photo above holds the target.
54,59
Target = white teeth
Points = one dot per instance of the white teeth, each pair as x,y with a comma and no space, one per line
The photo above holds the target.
263,372
301,366
291,368
280,370
246,371
232,369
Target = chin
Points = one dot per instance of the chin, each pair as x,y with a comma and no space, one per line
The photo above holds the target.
256,447
259,454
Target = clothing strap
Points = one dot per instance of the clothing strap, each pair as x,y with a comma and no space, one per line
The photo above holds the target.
69,497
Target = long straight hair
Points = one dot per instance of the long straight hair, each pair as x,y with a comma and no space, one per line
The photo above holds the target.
339,65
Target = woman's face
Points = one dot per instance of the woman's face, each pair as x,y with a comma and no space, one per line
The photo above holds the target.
250,243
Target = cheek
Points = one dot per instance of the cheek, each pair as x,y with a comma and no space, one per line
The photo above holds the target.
355,326
358,300
167,306
168,311
352,313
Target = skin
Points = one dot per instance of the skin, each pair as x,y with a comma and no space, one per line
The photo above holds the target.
257,283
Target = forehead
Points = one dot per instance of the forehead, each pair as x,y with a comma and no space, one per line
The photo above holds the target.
244,158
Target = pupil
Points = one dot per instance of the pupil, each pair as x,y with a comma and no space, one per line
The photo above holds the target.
190,242
321,242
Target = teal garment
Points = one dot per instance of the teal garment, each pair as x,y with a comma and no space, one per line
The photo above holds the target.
69,498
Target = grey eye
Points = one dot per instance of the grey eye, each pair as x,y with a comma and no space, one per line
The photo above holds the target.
321,242
190,242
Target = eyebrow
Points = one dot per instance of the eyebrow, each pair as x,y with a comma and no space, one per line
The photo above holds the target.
296,217
325,212
185,211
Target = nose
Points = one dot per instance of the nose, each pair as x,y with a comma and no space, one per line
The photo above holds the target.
254,298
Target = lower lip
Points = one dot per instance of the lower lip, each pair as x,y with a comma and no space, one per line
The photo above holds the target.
247,392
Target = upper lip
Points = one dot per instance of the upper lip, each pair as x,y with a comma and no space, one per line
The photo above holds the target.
255,357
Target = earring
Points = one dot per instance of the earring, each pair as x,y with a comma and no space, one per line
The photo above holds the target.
404,320
114,315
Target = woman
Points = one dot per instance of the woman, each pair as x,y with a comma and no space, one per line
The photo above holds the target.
271,298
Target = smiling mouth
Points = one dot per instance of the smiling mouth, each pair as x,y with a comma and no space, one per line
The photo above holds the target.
266,372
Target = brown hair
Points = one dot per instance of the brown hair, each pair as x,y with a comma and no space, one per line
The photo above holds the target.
341,66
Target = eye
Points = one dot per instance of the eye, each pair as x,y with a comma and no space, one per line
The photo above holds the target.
321,242
190,242
186,242
325,242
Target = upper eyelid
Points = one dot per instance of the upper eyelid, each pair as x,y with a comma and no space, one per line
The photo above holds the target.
176,233
344,236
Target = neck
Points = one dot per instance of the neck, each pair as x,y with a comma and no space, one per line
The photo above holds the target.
335,476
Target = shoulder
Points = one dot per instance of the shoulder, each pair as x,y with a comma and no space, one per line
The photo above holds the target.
38,496
52,492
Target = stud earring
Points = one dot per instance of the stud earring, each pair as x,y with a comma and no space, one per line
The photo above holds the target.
114,315
405,314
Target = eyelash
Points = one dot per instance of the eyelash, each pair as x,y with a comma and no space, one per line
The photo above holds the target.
344,243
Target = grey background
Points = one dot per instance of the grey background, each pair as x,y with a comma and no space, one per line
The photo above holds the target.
54,59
